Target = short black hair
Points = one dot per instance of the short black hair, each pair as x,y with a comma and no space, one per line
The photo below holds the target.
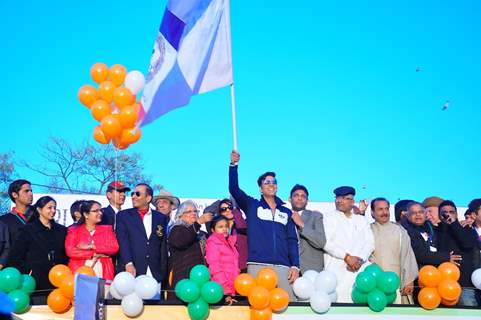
15,186
75,207
264,175
401,205
299,187
216,220
373,202
148,189
447,203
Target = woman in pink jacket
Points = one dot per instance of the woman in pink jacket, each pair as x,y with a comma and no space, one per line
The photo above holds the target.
222,256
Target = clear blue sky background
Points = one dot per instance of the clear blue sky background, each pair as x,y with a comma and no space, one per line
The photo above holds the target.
327,93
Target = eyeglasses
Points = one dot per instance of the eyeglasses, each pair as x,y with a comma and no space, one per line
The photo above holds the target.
96,210
223,209
267,182
191,211
136,193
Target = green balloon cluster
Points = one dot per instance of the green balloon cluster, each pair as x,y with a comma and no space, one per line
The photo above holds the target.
18,288
199,292
375,287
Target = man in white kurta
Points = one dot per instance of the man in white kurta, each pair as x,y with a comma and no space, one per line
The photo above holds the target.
349,242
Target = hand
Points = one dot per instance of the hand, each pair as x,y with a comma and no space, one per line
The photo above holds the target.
407,289
234,157
454,258
206,217
293,274
465,223
100,255
362,206
297,219
353,263
1,266
86,246
130,269
230,300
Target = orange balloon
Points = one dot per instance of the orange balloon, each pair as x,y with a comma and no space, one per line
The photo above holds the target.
87,95
267,278
244,283
100,109
264,314
57,302
130,136
99,72
449,271
279,299
111,126
57,273
128,116
106,91
429,276
118,144
429,298
136,105
449,303
99,136
449,290
259,297
123,97
67,287
117,74
86,270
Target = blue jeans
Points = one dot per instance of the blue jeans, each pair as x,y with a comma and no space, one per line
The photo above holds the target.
468,298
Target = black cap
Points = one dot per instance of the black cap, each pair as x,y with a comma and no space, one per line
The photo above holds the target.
344,191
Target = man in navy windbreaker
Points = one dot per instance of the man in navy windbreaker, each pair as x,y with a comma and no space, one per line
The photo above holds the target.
271,233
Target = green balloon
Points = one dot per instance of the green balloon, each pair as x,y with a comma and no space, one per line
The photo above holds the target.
187,291
376,300
20,299
358,296
374,270
28,284
10,279
390,298
365,282
199,274
388,282
198,310
212,292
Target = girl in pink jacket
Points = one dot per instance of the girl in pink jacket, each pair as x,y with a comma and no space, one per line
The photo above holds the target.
222,256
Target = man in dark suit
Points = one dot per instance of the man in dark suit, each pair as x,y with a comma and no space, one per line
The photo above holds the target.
116,195
310,228
141,233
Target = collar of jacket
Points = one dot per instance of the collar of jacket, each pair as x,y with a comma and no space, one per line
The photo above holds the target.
264,203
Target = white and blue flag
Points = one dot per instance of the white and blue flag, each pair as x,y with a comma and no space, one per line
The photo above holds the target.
192,55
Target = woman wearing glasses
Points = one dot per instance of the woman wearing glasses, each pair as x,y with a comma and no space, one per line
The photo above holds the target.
91,244
186,243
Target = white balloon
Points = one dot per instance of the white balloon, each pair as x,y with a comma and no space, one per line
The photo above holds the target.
303,288
311,275
124,283
146,287
134,81
333,296
132,305
476,278
320,302
326,281
113,292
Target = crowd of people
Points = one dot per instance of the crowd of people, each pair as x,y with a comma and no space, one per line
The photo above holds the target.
241,234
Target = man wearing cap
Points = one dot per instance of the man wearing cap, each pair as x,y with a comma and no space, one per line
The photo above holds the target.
349,242
165,202
431,205
116,196
310,228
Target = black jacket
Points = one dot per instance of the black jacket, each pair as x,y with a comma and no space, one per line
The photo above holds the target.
38,249
108,216
421,247
14,224
4,243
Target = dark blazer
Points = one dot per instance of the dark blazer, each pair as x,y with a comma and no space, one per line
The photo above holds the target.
421,247
136,248
38,249
312,239
108,216
14,224
5,243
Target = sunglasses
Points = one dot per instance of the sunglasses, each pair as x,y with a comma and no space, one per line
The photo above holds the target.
268,182
224,209
136,193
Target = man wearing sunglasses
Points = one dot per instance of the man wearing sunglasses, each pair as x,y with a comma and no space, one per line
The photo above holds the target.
272,237
349,242
141,233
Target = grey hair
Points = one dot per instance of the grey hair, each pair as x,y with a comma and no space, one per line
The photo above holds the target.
182,208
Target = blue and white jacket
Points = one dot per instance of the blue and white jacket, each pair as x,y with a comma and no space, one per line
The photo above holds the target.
272,238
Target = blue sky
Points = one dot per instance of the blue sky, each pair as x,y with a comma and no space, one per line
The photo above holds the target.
327,94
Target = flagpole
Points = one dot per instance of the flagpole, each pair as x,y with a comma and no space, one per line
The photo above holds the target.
232,89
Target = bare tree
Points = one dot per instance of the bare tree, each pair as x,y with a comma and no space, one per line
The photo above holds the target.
7,173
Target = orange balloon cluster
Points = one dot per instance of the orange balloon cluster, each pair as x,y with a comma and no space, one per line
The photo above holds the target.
439,285
114,106
61,299
262,294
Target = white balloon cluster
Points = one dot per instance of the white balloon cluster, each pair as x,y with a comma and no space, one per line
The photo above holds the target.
476,278
317,287
132,291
